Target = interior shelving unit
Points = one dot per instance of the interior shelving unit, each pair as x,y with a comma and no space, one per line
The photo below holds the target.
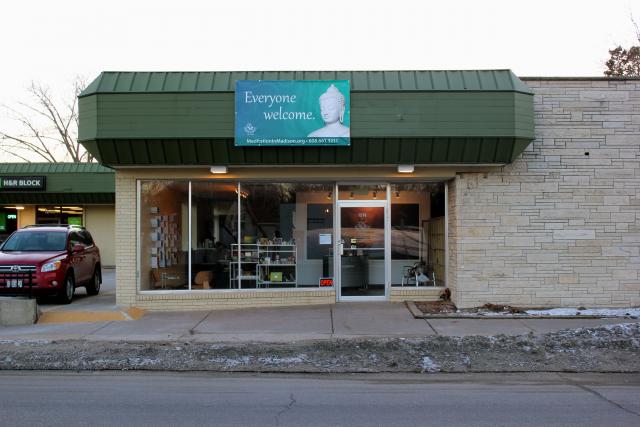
263,265
277,265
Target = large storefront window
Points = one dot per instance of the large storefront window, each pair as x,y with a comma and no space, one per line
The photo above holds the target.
59,215
163,239
205,235
417,234
214,230
286,236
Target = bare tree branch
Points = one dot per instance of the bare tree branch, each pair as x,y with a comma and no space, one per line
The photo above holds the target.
25,144
13,153
49,129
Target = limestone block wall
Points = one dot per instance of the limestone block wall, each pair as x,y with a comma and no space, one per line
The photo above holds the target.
560,226
452,232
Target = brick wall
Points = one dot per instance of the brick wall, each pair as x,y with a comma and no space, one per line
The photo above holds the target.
557,227
126,238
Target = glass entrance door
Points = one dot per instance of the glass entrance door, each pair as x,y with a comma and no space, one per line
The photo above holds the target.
362,250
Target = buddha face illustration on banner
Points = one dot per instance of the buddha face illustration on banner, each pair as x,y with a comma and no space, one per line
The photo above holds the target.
332,107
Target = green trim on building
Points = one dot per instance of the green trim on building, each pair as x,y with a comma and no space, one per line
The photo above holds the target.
421,117
367,81
80,183
159,152
47,168
373,115
57,198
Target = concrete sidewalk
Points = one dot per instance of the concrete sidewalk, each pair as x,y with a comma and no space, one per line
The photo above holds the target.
286,324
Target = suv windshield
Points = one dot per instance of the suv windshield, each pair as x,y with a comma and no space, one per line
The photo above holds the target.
36,241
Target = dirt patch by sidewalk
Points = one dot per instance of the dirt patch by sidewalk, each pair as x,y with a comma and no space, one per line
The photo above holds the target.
436,307
440,308
614,348
446,309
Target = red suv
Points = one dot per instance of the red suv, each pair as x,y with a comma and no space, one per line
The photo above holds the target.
49,260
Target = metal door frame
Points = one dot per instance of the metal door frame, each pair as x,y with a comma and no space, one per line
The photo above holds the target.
387,246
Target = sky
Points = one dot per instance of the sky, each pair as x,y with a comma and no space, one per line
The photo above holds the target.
53,42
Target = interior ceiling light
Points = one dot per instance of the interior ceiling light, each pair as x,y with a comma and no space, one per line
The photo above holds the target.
406,168
219,169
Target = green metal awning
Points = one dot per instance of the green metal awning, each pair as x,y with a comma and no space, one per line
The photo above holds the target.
421,117
361,81
78,183
53,168
156,152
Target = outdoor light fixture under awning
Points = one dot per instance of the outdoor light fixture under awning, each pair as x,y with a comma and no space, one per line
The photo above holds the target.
406,168
219,169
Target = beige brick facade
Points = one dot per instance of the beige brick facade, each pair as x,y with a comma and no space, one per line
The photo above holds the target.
399,294
560,225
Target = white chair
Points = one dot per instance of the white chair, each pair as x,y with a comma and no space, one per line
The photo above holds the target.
418,274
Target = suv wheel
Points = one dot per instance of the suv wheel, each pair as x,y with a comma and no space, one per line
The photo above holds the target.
66,295
93,287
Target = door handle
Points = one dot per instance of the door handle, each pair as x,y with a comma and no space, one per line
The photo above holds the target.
341,247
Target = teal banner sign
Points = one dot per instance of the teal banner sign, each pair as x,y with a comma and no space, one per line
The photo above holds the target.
292,113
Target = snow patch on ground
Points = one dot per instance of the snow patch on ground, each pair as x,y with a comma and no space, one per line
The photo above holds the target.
231,362
608,312
21,342
428,365
274,360
627,328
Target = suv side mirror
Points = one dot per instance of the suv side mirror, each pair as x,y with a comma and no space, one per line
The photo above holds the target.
77,248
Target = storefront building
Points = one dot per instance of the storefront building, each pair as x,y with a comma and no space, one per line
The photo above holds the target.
501,190
60,193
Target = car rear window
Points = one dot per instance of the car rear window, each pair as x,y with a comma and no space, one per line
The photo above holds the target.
36,241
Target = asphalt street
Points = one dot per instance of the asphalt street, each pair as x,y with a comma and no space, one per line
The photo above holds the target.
170,399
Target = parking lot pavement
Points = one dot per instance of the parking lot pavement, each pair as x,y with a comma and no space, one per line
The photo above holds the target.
86,308
104,301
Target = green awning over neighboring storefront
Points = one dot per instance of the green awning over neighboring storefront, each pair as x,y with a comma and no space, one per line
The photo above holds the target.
64,183
420,117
